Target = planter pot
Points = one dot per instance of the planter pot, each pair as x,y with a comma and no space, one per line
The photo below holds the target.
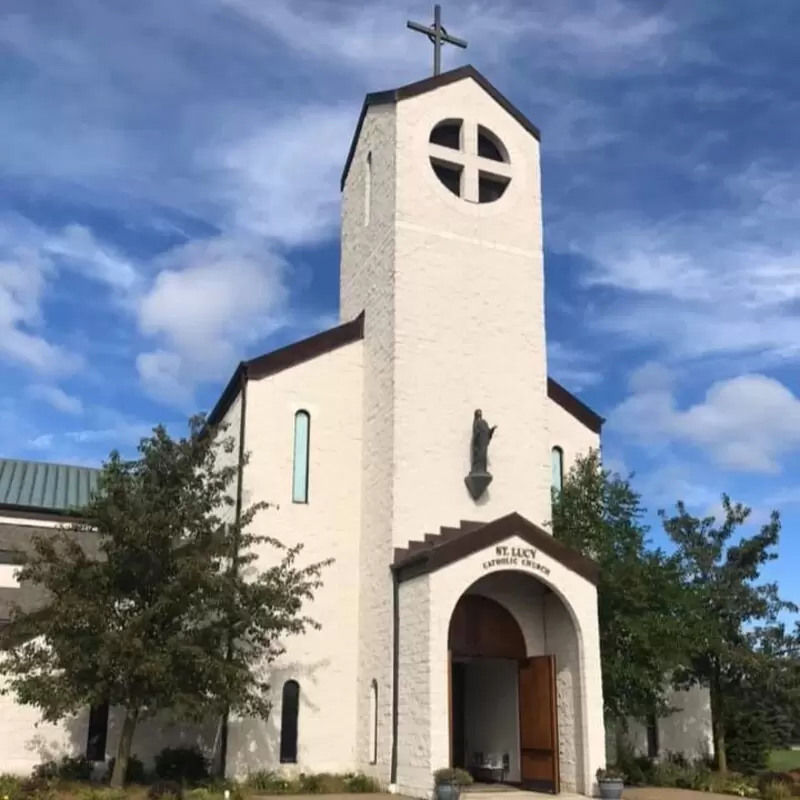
611,789
447,791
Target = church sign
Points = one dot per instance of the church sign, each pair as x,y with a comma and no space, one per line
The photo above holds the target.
515,557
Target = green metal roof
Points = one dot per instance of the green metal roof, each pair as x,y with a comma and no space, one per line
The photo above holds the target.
54,487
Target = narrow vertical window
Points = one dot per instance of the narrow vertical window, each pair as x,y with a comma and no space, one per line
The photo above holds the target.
373,722
290,707
368,189
96,738
557,461
302,431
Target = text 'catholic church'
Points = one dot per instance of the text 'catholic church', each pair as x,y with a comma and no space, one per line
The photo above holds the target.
455,630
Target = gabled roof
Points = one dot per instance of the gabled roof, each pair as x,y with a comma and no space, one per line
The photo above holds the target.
327,341
572,405
285,357
392,96
474,538
34,489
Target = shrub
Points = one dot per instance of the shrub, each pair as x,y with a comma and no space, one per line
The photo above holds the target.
186,765
610,774
680,774
776,790
11,787
637,770
788,780
449,775
165,790
35,789
363,784
217,787
135,773
269,782
732,783
100,793
68,768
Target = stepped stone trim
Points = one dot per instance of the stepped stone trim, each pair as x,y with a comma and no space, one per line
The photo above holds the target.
437,550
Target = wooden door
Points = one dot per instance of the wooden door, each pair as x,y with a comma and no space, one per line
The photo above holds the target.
538,724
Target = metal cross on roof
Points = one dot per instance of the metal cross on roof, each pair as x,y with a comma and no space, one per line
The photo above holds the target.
438,35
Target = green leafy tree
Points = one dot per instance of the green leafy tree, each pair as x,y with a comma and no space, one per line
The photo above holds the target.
641,600
150,624
733,612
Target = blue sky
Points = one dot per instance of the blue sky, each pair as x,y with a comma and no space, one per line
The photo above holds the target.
169,205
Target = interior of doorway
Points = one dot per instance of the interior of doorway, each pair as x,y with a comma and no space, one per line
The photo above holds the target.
485,720
503,704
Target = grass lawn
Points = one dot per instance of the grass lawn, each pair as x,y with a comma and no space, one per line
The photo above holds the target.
784,760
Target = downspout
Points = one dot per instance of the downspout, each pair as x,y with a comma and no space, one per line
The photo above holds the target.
395,670
223,736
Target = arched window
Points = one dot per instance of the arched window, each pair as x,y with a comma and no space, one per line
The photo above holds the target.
290,708
302,439
557,460
373,722
368,189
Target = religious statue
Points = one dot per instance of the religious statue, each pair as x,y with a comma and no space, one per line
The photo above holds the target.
481,436
479,476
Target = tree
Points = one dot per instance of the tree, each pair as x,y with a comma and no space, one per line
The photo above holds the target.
147,626
643,631
734,615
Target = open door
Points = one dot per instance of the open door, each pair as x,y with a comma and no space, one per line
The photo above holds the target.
538,724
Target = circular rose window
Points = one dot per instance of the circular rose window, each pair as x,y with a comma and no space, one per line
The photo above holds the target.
474,168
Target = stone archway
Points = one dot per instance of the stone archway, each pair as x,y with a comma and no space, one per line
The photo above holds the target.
515,624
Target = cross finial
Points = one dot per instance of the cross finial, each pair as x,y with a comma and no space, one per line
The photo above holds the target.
438,35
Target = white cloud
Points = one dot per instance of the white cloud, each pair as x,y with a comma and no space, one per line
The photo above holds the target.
57,398
282,181
575,369
651,377
23,280
76,247
721,282
210,299
374,37
746,423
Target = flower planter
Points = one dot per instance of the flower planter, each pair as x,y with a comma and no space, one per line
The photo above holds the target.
447,791
611,788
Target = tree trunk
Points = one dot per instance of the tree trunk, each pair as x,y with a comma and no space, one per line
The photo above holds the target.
718,721
124,747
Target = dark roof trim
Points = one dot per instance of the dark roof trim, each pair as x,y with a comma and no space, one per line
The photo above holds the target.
286,357
558,394
393,96
31,512
452,550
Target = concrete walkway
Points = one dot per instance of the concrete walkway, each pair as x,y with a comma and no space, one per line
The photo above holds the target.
661,793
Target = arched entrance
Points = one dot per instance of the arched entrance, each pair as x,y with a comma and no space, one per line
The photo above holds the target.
504,700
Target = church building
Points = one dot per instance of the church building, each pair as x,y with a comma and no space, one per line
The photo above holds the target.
455,630
417,444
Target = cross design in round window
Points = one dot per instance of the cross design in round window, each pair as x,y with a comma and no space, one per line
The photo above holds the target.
469,160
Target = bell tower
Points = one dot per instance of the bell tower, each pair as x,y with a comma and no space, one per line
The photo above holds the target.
442,247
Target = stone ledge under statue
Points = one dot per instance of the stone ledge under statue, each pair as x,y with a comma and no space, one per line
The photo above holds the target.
479,478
